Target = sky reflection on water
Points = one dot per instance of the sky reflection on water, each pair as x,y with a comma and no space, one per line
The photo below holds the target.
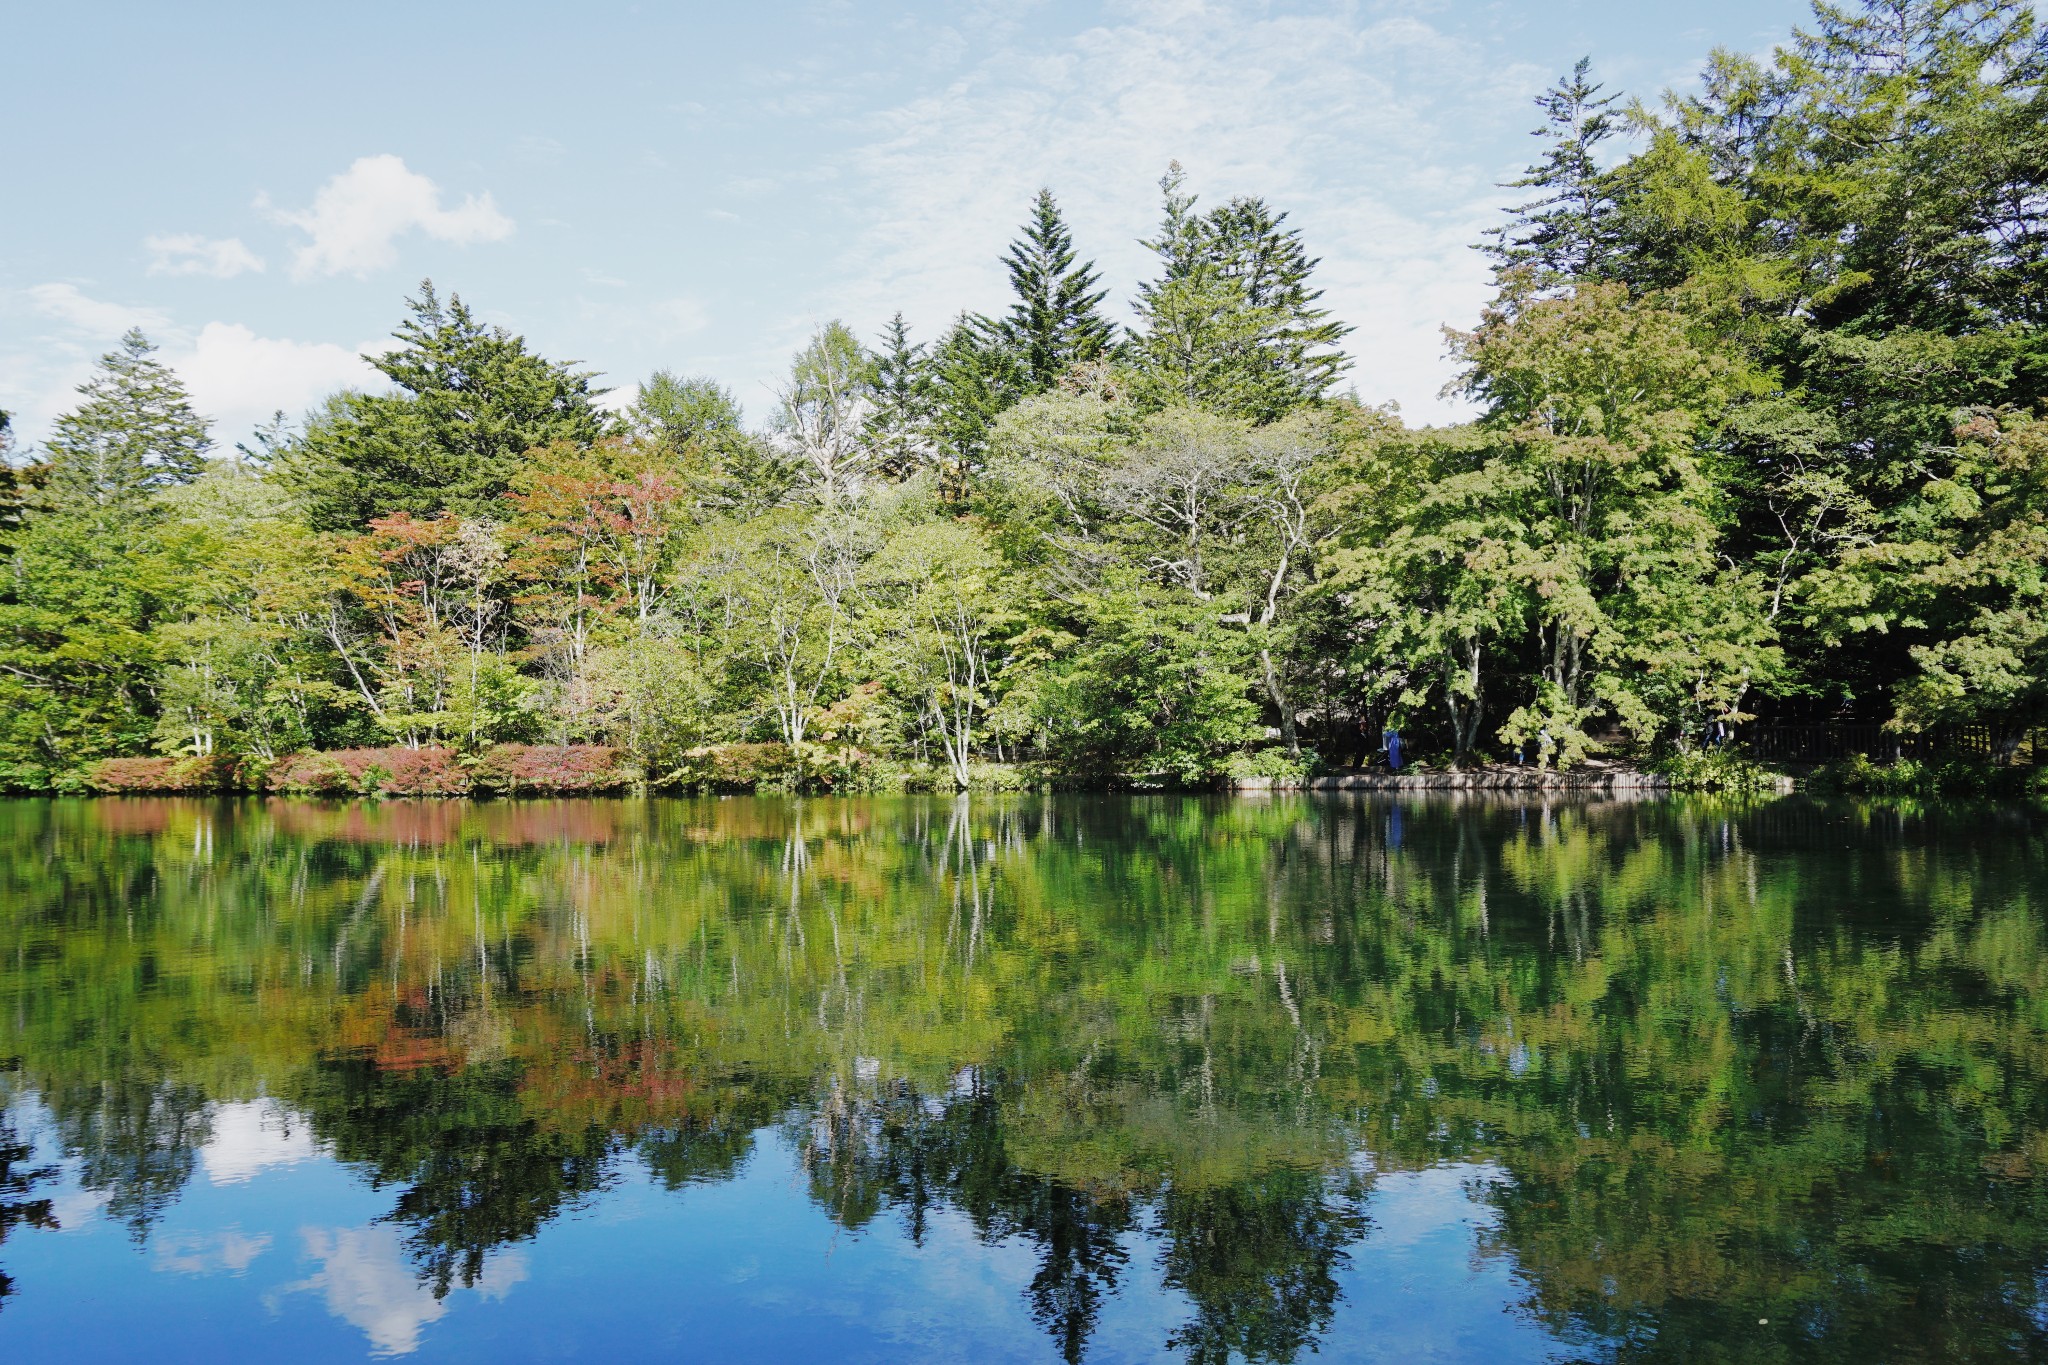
1029,1079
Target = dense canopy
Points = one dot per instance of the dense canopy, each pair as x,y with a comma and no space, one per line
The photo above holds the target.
1759,436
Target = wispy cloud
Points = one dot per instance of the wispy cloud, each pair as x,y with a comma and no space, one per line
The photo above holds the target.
187,253
357,217
72,309
1342,119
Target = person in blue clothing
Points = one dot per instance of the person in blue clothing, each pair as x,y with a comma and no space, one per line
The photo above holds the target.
1393,742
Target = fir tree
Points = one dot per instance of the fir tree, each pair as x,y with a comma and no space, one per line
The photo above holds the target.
1254,248
1231,323
472,401
976,376
1563,235
134,433
1056,321
900,428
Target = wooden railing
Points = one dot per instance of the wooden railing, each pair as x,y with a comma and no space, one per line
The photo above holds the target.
1825,743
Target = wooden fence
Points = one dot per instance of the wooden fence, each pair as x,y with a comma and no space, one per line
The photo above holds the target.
1825,743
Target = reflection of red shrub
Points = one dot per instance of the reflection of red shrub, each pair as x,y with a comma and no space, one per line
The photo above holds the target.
135,814
555,768
413,823
384,772
172,774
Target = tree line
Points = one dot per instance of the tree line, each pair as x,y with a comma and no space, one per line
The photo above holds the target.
1758,436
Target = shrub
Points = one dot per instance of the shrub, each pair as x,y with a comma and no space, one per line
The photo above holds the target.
1275,763
174,773
1926,777
550,768
1715,770
372,772
1005,777
735,768
25,777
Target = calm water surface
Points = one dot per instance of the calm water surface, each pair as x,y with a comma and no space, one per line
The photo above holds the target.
1027,1079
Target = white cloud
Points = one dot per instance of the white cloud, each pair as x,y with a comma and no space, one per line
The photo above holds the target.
187,253
66,305
1354,124
192,1253
76,1210
358,216
619,399
238,379
251,1137
367,1282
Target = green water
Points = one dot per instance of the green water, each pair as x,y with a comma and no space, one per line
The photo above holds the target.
1034,1079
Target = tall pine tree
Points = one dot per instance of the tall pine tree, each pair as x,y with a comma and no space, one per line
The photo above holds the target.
1232,322
134,433
1056,321
1563,236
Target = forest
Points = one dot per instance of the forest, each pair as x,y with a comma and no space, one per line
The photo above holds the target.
1758,438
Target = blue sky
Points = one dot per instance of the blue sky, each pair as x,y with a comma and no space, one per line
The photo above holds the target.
696,186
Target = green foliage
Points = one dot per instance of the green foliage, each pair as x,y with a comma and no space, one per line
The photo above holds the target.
976,375
1276,763
1715,770
1861,775
471,400
900,428
1153,687
1565,236
1761,439
1232,322
1056,322
134,432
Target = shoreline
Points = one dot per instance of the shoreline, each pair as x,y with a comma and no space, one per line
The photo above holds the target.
1591,776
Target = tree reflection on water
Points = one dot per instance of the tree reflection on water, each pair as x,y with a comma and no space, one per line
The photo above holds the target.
1725,1062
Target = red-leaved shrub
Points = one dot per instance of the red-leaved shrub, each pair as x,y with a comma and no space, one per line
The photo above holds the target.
175,773
372,772
563,769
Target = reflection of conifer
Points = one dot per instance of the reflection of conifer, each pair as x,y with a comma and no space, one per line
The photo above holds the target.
16,1179
1259,1259
138,1142
892,1149
479,1170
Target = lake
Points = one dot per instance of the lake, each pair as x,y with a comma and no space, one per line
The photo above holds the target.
1026,1078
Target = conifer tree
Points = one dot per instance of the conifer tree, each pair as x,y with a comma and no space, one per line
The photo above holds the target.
976,376
134,433
1231,323
472,401
1563,235
900,428
1253,247
1056,321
